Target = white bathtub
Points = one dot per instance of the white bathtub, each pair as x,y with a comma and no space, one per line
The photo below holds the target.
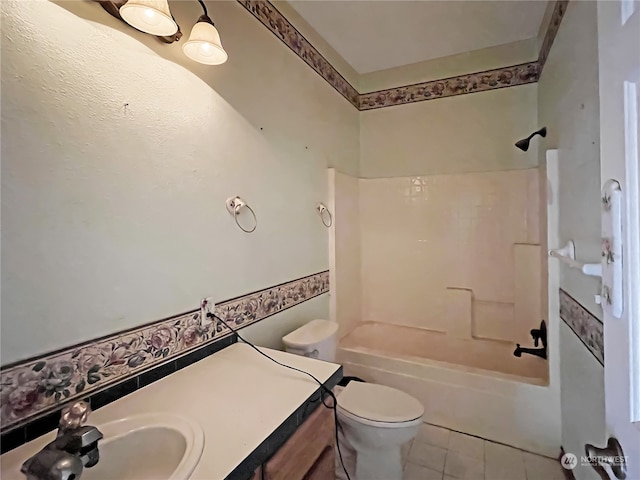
473,387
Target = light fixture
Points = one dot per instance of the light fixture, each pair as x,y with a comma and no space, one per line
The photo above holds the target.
204,45
154,17
149,16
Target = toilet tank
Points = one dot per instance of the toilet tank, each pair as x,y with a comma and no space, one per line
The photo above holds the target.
316,339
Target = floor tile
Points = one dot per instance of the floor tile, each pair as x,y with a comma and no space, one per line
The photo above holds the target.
492,449
433,435
417,472
466,445
427,455
542,468
463,466
503,463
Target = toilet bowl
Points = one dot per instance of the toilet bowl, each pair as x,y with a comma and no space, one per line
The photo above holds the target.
375,420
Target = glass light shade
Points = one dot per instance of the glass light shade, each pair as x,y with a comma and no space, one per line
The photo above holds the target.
149,16
204,45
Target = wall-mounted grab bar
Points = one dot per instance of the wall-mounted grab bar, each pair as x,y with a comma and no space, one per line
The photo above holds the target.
567,255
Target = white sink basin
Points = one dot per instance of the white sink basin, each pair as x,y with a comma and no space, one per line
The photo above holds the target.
148,447
157,446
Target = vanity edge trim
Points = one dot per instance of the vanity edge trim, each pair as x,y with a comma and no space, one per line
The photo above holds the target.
278,437
33,388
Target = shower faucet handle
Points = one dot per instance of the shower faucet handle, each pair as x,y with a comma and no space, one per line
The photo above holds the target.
536,337
540,334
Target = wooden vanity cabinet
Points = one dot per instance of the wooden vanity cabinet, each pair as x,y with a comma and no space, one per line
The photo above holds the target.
309,454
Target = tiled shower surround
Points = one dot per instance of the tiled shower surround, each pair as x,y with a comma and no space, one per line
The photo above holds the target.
39,385
454,253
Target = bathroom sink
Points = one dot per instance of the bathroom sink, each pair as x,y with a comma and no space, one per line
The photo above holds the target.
148,447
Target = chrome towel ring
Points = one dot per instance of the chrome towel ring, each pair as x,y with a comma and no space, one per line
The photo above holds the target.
324,212
234,205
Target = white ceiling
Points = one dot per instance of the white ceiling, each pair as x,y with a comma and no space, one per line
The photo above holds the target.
374,35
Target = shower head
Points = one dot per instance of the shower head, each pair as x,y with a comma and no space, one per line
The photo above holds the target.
524,143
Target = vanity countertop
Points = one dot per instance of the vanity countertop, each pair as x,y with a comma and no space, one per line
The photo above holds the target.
239,398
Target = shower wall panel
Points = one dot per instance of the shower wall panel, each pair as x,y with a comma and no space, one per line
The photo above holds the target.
454,253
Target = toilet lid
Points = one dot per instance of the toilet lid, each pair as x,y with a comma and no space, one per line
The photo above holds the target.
379,403
311,334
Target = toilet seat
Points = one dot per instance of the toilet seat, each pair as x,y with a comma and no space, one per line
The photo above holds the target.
379,405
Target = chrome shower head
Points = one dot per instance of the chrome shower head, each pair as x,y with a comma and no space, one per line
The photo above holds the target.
524,143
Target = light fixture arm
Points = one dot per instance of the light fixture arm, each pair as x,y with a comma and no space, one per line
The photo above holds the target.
205,16
204,7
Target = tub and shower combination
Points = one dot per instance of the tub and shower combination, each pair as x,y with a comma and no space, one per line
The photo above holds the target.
480,390
428,347
433,292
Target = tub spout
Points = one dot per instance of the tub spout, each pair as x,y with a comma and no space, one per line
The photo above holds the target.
538,352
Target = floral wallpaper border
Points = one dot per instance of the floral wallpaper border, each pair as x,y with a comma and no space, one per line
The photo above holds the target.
510,76
552,30
449,87
39,385
271,18
584,324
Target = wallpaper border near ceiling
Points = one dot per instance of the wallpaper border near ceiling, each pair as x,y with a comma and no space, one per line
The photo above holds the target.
508,76
552,30
277,23
39,385
450,87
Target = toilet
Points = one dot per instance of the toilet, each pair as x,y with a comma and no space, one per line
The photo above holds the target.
376,420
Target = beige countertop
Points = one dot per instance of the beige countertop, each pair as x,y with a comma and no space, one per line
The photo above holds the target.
237,396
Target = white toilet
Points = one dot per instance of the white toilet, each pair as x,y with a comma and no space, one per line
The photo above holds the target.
376,420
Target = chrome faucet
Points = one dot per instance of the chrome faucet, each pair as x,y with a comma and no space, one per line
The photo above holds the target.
75,447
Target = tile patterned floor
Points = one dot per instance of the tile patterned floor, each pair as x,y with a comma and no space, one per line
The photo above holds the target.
440,454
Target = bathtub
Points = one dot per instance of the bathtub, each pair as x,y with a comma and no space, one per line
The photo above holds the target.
475,386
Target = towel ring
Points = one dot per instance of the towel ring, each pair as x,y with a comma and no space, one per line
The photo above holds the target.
322,209
234,205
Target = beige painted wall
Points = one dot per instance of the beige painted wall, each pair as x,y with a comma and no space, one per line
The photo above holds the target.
326,50
468,133
462,64
568,105
118,153
582,399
